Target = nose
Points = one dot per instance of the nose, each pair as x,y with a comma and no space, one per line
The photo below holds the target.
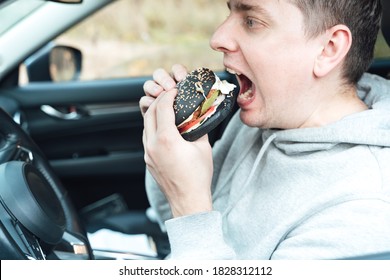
223,39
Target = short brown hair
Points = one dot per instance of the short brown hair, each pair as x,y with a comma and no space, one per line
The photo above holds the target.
362,17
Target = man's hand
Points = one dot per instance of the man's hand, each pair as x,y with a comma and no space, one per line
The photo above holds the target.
162,81
182,169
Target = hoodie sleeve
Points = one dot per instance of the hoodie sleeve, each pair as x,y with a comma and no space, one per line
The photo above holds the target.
198,236
157,201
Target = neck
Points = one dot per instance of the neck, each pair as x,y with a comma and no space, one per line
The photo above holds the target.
335,107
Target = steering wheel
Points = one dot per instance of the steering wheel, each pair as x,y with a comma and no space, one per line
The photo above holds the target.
37,215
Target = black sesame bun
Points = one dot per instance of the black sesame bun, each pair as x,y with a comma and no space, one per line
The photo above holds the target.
203,101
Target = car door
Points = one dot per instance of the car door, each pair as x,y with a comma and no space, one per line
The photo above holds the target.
90,128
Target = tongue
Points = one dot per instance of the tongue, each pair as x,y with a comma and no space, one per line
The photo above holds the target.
245,88
245,84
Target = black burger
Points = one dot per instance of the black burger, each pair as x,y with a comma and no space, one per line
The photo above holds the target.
203,101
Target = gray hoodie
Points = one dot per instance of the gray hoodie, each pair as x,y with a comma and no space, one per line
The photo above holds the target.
313,193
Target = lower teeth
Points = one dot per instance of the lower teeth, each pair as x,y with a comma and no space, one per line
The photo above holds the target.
247,94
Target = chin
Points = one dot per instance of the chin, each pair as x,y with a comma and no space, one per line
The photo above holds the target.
251,119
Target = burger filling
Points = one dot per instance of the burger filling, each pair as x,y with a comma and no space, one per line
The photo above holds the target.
208,107
197,118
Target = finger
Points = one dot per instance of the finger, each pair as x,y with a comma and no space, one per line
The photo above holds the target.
144,141
150,124
164,113
163,78
144,103
151,88
179,72
203,140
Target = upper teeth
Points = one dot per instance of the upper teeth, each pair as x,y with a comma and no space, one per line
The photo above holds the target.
231,71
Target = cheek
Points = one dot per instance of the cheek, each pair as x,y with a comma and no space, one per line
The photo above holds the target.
282,52
283,68
280,80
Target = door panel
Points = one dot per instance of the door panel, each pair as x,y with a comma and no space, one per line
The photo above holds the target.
98,153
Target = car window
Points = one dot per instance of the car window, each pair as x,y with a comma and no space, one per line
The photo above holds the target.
131,38
134,37
382,50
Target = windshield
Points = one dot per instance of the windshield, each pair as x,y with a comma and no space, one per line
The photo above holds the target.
13,11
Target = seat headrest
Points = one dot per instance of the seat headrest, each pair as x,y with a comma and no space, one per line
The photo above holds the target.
386,20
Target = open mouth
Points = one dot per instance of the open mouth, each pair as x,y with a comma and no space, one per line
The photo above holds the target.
246,85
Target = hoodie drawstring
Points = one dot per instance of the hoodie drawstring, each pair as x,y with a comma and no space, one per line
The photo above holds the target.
234,168
253,170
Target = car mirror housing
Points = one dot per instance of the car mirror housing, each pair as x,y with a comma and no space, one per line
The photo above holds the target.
56,63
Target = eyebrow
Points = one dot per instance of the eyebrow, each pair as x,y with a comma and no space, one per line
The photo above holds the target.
245,7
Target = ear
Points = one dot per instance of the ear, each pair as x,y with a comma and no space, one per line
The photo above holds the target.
336,45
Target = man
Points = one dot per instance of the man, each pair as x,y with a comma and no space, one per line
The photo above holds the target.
303,170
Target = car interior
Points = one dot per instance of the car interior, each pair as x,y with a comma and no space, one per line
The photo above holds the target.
40,218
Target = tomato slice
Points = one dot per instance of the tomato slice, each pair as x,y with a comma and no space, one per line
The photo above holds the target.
195,123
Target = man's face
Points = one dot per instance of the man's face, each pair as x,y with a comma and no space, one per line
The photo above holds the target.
264,42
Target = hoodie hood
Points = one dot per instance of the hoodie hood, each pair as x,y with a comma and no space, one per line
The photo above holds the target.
371,127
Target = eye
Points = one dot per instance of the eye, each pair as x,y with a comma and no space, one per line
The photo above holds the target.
249,22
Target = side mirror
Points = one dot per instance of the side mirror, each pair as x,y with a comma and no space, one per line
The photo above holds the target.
64,64
54,63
